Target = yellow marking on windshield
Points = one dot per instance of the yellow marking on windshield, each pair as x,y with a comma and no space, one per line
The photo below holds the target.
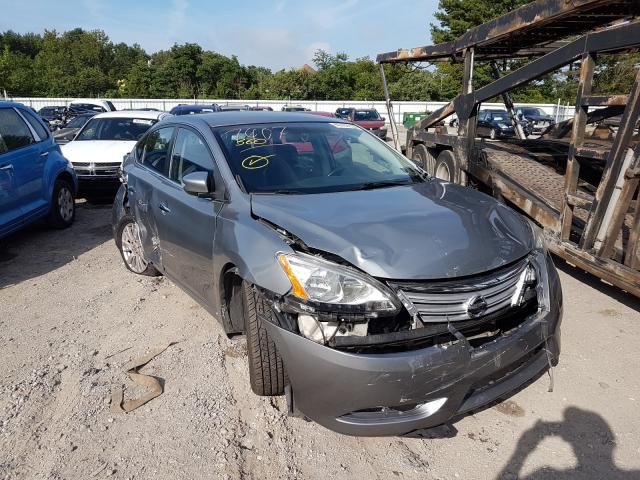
254,162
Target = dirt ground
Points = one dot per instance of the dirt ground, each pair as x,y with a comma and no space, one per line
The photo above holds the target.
71,316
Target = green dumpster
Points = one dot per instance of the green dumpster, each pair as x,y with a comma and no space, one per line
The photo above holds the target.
409,119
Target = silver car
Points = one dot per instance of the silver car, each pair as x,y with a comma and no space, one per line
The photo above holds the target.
380,300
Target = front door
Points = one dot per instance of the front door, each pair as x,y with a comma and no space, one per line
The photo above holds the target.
186,222
18,151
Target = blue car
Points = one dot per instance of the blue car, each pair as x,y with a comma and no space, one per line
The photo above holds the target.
36,181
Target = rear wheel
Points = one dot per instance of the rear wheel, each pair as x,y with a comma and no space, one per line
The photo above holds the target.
130,246
446,166
424,158
266,369
63,204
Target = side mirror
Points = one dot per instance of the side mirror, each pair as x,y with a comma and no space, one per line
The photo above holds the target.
198,184
383,119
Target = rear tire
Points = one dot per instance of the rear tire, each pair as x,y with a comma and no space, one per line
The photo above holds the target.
266,369
424,158
130,246
446,166
63,204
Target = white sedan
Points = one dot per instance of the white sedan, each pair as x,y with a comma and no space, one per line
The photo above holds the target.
97,151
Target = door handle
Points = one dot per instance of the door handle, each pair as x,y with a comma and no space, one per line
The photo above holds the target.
44,154
7,167
164,208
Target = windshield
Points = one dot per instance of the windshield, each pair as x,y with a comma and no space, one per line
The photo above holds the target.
364,115
77,122
532,111
312,158
126,129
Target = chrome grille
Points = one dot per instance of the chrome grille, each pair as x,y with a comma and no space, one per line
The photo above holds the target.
453,300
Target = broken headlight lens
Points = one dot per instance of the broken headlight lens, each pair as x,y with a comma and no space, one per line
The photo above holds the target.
317,280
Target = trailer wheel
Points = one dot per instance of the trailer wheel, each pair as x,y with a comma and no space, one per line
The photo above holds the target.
424,158
445,168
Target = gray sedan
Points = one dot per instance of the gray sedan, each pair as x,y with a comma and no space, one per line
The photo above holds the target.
380,300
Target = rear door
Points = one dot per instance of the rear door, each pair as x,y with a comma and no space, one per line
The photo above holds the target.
144,180
187,223
18,166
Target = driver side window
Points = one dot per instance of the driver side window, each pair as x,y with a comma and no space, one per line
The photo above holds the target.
190,154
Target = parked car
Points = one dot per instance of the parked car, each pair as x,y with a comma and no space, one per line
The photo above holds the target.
92,104
536,117
380,299
494,124
66,133
294,108
97,150
344,112
260,108
36,181
53,115
194,109
369,119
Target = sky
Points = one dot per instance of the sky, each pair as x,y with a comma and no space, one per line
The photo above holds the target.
276,34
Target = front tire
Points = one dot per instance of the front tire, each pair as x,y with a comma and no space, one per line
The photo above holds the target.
266,369
130,246
493,134
63,205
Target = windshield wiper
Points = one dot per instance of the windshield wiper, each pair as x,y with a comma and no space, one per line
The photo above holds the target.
383,184
280,192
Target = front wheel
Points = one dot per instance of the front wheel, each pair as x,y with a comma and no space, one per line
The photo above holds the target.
63,204
493,134
266,369
130,246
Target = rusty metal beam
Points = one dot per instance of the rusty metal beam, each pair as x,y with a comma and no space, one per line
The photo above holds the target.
611,272
508,103
577,136
613,168
621,209
436,117
632,254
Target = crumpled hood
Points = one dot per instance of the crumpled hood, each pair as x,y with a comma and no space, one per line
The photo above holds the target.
97,151
424,231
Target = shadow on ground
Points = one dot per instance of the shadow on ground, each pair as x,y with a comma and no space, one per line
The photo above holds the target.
39,249
590,438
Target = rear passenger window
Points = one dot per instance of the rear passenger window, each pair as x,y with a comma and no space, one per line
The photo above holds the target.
14,133
156,150
190,154
37,126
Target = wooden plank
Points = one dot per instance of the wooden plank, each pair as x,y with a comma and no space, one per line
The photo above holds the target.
632,255
577,137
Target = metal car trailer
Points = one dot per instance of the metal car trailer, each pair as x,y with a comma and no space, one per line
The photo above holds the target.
592,221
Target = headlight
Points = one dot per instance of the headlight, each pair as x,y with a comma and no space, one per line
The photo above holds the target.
503,125
539,242
329,284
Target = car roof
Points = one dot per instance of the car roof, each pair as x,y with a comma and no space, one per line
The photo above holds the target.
5,104
145,114
245,117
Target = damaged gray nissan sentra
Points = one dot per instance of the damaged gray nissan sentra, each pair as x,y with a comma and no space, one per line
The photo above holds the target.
380,300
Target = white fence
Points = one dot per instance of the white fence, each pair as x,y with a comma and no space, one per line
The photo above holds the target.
560,112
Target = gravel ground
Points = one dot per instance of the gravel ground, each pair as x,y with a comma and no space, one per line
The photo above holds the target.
71,316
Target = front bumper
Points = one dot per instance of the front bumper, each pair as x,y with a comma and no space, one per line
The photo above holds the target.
396,393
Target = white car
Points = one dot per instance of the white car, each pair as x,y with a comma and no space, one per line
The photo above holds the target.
97,151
